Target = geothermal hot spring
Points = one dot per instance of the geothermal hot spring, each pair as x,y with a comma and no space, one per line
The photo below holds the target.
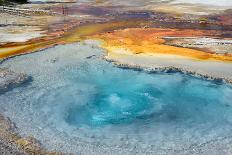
78,102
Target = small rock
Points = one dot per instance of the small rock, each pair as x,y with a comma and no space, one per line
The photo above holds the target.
10,79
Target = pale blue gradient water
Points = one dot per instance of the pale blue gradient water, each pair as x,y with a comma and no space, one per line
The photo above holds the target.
78,102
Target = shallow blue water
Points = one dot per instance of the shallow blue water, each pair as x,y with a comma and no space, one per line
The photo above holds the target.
77,94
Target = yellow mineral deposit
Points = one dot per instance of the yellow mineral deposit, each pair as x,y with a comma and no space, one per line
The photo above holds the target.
149,41
121,35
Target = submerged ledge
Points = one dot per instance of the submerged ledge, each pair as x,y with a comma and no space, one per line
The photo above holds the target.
171,70
209,70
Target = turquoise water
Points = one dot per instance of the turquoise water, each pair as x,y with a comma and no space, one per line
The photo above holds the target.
122,96
78,102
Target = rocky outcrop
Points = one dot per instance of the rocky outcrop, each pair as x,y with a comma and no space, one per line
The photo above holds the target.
6,147
13,144
10,79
